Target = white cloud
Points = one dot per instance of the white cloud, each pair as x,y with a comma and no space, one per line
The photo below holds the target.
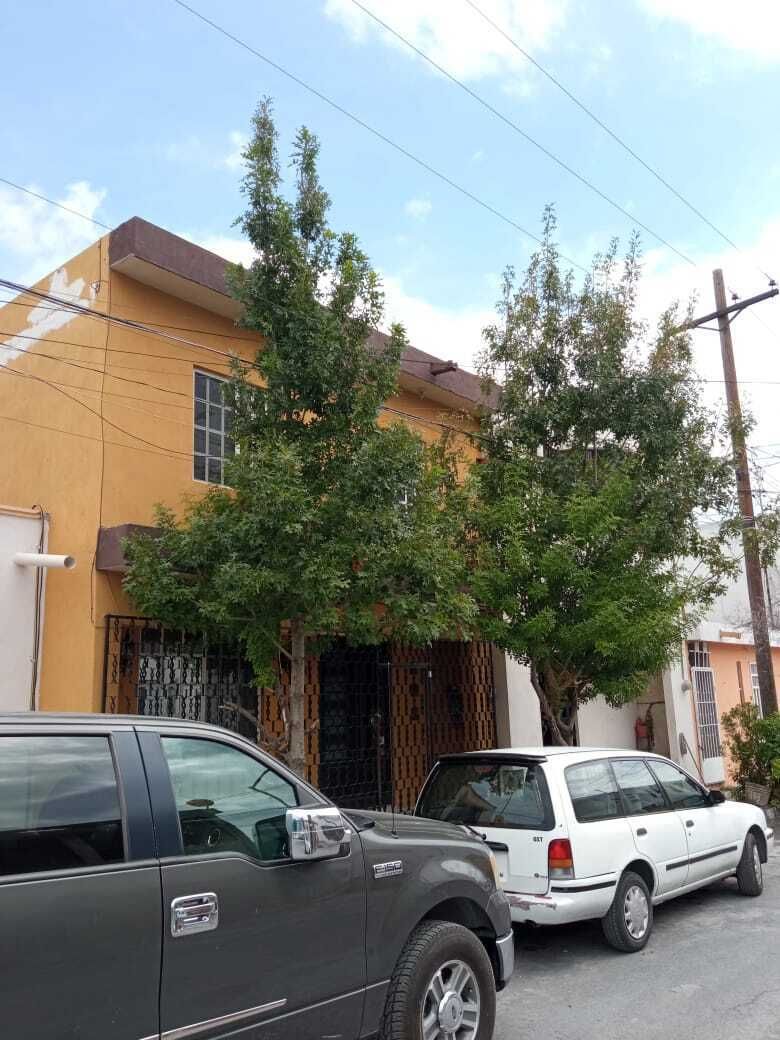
600,57
756,332
752,26
234,160
478,156
187,150
453,333
195,150
456,332
37,237
455,36
418,209
237,250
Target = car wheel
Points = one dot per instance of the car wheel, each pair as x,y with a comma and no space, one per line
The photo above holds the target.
750,872
629,921
442,987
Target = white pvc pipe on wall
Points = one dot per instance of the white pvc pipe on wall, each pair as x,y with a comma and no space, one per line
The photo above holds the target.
24,559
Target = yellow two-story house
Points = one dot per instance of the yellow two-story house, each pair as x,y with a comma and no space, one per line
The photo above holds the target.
110,401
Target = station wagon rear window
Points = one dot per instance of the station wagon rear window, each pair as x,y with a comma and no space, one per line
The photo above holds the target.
593,791
489,793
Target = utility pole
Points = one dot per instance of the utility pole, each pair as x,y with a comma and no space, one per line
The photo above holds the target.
755,584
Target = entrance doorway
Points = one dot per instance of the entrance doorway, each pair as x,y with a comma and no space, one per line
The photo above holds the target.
354,728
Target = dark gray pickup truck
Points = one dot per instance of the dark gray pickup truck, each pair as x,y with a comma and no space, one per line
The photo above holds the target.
166,879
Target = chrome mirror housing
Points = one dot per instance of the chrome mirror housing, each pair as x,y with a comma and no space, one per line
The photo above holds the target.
317,833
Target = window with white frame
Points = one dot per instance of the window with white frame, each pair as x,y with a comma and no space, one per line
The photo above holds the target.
213,429
703,679
756,688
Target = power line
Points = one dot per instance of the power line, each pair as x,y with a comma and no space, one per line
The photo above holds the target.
85,436
615,137
153,324
434,422
772,332
188,361
519,130
59,205
167,453
123,397
142,328
153,331
92,411
372,130
97,371
138,326
168,357
111,350
86,368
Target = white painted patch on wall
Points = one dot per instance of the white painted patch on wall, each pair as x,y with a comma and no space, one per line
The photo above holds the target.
43,318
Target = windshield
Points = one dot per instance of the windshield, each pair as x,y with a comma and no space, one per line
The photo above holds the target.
488,794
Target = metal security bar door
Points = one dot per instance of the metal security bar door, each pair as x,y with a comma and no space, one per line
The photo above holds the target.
152,670
703,680
354,728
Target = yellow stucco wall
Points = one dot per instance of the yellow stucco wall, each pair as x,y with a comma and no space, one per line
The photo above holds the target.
89,473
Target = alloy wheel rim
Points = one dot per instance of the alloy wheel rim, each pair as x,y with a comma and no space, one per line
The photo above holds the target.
636,912
757,868
451,1004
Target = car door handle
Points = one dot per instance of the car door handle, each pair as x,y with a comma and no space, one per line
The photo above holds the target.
197,913
641,831
689,823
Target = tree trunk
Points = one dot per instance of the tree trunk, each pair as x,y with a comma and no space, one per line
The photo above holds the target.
562,734
296,756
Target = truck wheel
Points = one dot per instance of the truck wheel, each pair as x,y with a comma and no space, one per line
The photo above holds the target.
750,874
442,987
629,921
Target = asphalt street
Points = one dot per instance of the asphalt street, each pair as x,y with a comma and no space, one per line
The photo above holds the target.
709,972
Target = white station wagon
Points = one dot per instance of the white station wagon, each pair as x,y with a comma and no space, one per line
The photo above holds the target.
584,833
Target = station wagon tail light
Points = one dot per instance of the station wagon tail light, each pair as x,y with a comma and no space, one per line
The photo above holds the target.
560,862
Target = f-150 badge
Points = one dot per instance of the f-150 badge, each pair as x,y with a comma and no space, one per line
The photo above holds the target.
391,869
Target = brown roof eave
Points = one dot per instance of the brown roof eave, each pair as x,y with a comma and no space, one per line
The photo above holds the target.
172,264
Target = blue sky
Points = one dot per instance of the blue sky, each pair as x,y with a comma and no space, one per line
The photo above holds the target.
121,109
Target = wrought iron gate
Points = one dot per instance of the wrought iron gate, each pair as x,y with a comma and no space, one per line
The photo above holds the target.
153,670
355,733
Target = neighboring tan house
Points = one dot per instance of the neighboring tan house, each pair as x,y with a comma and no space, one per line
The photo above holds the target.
717,671
100,420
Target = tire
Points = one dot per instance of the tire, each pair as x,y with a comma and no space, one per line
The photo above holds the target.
750,873
629,921
439,954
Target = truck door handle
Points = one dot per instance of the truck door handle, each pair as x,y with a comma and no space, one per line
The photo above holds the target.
641,831
191,914
689,823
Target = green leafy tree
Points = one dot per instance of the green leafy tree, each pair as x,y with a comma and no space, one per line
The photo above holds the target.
589,559
332,525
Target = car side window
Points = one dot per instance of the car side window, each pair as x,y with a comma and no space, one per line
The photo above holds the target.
227,800
682,792
640,790
59,804
593,791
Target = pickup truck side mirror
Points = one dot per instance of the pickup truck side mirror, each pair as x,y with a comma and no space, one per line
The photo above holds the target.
317,833
717,797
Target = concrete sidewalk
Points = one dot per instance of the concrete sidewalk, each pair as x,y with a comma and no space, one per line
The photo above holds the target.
709,972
